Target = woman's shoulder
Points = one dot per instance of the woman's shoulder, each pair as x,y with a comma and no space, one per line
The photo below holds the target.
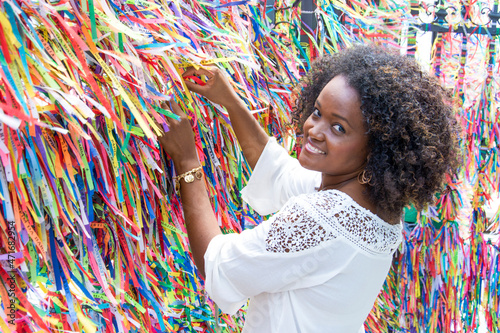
339,213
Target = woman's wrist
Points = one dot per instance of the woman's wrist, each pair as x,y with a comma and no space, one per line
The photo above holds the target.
184,161
234,102
186,165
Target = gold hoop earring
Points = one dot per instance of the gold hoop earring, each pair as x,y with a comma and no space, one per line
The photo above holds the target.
363,179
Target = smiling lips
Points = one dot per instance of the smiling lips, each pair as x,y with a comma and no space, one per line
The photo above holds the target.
313,149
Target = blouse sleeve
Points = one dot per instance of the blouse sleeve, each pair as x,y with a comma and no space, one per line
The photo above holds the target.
276,178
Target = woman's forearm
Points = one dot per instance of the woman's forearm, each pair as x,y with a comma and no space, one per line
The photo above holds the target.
199,216
200,220
251,136
201,225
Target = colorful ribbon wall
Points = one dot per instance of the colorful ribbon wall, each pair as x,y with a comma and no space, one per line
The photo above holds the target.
91,231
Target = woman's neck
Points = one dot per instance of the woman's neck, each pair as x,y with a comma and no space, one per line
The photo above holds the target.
329,184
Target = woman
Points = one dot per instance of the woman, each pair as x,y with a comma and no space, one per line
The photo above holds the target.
377,136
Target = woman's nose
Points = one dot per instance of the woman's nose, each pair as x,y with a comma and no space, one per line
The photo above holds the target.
316,130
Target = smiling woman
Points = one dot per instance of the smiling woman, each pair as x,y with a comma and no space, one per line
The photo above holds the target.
378,135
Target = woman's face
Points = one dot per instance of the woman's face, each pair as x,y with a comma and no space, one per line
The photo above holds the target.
335,139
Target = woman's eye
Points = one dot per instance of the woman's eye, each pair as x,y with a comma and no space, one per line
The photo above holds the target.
316,113
339,128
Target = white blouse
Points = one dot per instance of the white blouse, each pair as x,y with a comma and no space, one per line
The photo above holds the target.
316,265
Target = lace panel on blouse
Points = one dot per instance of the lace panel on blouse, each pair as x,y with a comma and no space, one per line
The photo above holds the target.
294,229
308,220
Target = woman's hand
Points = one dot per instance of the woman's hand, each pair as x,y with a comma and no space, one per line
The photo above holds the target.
179,142
217,88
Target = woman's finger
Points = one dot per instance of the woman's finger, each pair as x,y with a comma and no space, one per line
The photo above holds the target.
194,87
164,105
160,126
189,71
175,108
166,119
172,107
200,71
199,86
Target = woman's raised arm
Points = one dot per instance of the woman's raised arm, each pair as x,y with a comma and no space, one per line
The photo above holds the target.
250,135
201,223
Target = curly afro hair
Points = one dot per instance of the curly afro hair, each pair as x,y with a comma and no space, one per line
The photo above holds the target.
412,128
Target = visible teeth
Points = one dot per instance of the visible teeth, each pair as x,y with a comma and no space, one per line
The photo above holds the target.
314,149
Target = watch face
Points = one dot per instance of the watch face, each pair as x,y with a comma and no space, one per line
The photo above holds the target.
189,178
